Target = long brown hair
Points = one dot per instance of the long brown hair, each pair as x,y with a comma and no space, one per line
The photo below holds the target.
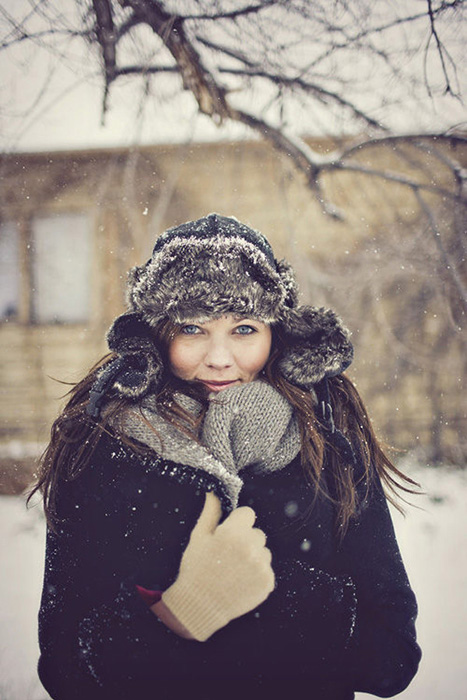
75,435
350,417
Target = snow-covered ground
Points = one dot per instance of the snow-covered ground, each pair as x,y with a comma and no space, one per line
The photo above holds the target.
433,539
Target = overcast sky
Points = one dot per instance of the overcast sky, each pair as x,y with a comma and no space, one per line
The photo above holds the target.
52,101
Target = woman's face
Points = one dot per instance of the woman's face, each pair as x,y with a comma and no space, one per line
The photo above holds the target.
221,353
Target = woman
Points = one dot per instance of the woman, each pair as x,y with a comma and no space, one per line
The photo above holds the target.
222,401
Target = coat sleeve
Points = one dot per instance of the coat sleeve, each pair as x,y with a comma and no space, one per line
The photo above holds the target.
383,655
347,615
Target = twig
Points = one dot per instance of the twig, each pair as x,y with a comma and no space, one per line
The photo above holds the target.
449,264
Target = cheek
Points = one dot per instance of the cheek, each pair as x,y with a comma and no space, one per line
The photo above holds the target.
182,360
257,358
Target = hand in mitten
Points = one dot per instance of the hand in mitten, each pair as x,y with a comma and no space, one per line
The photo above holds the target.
225,571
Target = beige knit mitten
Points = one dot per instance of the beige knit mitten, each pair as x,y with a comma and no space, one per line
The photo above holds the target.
225,571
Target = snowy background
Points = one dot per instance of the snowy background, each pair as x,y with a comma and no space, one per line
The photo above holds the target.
432,537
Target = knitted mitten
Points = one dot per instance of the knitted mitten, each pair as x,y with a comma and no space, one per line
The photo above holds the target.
225,571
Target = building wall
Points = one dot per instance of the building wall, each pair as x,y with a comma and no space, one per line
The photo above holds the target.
131,196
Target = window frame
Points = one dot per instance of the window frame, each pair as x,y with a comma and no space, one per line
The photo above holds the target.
24,226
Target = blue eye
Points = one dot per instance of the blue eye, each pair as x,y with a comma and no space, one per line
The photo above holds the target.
190,329
245,330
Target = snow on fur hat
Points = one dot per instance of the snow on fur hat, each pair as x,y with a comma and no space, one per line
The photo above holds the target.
207,268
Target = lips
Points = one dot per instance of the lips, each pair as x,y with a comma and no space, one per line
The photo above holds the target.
217,386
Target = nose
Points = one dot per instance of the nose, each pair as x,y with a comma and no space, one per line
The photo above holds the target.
218,355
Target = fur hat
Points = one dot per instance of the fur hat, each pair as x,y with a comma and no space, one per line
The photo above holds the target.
207,268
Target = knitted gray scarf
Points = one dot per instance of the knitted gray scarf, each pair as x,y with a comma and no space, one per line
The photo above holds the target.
249,425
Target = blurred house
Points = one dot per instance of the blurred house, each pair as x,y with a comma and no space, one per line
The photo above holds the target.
72,223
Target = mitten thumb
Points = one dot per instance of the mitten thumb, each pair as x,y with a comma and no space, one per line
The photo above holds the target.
209,517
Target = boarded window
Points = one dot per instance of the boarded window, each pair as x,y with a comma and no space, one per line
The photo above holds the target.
9,270
61,261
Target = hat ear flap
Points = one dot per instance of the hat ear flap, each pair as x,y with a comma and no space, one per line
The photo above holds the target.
140,374
130,333
138,367
132,338
317,346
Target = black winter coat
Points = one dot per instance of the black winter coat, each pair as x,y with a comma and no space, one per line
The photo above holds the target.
340,620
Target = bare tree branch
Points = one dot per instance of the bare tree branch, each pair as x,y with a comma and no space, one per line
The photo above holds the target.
404,20
39,36
227,50
304,159
233,14
442,52
126,26
449,265
359,145
318,91
391,177
107,39
209,96
144,70
203,47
